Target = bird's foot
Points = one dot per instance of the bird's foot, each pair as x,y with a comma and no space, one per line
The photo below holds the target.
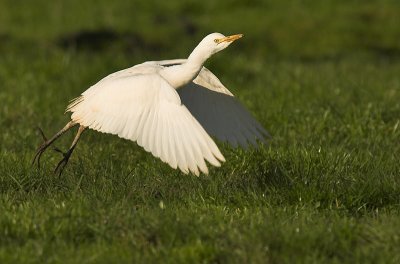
41,148
61,165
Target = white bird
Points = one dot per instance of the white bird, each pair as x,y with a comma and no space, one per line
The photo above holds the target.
169,108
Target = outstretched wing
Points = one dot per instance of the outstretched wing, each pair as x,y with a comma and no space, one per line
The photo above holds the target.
214,106
222,116
146,109
207,79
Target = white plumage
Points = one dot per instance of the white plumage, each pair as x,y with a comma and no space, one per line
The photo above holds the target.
169,108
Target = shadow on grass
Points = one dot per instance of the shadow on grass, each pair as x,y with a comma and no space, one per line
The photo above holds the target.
102,39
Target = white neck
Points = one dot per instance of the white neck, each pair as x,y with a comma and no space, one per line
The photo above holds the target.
180,75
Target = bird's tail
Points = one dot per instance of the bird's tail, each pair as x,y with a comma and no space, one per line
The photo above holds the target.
74,102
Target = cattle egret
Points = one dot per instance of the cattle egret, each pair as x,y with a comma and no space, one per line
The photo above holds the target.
169,108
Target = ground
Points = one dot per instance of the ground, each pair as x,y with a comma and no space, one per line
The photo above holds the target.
321,76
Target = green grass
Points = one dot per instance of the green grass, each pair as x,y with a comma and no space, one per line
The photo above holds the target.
322,77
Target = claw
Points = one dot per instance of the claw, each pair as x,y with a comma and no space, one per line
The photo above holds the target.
39,153
48,142
61,165
41,148
42,134
59,151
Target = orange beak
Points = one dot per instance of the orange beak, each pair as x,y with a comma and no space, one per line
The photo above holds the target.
229,38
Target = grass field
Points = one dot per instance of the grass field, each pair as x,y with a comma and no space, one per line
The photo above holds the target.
323,77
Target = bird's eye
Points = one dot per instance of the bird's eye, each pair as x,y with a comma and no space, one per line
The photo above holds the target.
216,40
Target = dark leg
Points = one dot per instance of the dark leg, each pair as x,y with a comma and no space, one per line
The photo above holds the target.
67,155
47,143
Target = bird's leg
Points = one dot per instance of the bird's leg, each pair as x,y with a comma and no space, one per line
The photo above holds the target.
47,142
67,155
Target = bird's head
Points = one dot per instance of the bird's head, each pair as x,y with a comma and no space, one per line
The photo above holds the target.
216,42
212,44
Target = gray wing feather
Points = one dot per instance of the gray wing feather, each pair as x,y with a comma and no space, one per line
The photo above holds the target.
217,110
222,116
